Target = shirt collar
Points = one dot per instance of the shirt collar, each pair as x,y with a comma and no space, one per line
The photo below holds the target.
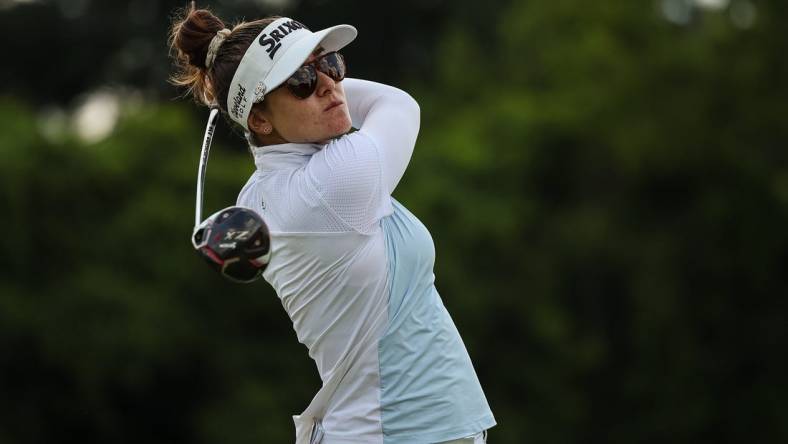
271,157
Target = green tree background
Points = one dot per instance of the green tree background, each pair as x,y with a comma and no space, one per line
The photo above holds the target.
606,183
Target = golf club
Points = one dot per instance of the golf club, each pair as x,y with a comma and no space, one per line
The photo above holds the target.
234,241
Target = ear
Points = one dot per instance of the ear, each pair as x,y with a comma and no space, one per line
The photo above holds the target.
258,122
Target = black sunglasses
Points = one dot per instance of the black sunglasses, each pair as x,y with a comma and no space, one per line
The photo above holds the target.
303,82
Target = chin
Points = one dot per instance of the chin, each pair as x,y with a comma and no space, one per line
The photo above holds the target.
339,128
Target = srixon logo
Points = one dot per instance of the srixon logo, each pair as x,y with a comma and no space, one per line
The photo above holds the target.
272,40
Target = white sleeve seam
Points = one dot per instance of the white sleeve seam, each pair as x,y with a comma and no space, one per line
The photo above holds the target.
328,207
308,182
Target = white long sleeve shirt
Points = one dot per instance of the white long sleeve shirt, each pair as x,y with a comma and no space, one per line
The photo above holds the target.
353,270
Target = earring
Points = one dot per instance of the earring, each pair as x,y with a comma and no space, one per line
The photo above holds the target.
267,130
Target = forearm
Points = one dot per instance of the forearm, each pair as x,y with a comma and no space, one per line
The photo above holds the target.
390,117
363,96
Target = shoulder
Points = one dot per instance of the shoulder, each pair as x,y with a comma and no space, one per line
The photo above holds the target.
288,203
347,175
349,165
353,147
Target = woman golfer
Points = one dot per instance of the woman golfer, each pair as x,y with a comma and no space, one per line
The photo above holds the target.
353,267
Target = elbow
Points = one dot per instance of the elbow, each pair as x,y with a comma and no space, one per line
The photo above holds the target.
417,114
412,109
415,106
406,109
411,102
404,100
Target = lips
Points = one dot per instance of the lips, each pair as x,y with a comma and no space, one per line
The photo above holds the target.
333,104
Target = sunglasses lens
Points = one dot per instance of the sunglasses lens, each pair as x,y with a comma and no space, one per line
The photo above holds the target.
332,65
303,82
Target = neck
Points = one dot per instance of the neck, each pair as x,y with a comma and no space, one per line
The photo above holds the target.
276,139
268,139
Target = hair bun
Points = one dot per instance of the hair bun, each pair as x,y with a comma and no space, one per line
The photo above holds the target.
192,35
190,39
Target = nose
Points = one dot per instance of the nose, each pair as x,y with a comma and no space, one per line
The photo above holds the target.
325,84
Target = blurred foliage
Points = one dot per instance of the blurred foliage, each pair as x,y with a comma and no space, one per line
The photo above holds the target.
607,190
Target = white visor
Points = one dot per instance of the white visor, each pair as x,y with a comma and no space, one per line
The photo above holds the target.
274,55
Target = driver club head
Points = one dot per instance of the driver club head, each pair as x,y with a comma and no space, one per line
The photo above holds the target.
235,242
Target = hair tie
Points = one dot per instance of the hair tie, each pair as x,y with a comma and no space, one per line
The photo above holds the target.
213,47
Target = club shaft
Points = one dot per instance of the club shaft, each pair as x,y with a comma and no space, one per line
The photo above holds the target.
206,148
